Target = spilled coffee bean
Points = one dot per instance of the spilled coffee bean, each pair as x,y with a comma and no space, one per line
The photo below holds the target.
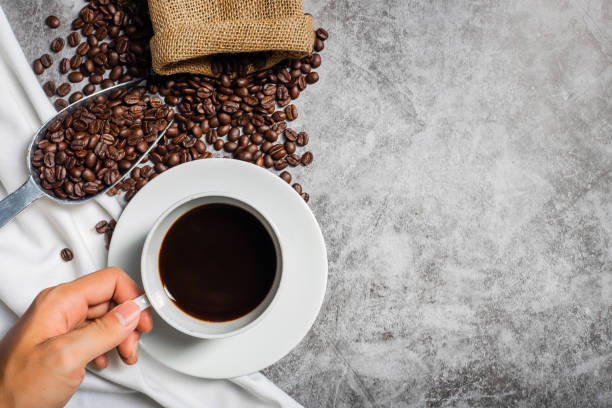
106,228
66,254
49,88
52,22
57,45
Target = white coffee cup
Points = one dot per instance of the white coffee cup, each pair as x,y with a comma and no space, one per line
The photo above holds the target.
156,295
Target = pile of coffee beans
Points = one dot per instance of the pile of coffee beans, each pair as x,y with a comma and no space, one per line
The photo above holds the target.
110,43
86,151
241,116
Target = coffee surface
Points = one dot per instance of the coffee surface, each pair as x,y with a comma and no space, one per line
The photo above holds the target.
217,262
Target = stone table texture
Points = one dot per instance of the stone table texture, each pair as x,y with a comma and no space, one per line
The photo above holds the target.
462,180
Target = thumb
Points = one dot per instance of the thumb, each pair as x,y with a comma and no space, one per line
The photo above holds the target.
102,334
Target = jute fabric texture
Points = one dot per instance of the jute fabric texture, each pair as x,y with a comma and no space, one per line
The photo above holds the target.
189,32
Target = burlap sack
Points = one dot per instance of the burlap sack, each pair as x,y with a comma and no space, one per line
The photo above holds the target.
188,32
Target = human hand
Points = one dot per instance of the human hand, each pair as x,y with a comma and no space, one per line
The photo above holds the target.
43,357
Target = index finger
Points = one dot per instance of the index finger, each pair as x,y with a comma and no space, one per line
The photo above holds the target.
98,287
105,284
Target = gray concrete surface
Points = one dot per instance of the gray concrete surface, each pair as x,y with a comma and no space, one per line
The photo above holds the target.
462,179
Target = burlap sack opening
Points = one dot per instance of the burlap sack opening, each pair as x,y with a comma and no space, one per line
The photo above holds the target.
188,33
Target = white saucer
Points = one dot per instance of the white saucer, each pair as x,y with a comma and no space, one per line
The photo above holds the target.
305,271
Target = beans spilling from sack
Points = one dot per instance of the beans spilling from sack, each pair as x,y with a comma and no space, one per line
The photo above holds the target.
245,117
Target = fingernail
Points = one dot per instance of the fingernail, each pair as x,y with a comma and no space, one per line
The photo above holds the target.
127,313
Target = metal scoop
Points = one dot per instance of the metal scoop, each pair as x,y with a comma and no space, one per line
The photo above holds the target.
31,190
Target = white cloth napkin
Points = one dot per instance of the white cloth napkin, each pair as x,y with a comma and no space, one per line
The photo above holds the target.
31,243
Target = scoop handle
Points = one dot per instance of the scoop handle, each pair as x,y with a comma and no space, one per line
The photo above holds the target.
14,203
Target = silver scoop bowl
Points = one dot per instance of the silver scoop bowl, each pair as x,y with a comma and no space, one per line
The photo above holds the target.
31,190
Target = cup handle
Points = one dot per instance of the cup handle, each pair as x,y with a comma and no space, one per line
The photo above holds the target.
142,302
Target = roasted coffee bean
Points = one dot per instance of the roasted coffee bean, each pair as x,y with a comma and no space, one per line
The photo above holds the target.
302,139
312,78
305,196
115,73
230,107
101,227
218,145
211,137
60,157
49,88
57,45
297,187
74,38
88,175
270,135
142,147
265,146
64,65
46,60
244,155
315,60
49,159
146,171
277,151
38,67
96,79
290,135
279,116
293,159
100,59
289,147
52,22
75,97
60,104
82,49
173,159
89,89
90,188
280,164
200,147
101,33
75,77
92,40
285,175
307,158
66,254
294,93
284,76
88,15
291,112
63,89
268,161
159,168
75,61
89,66
318,45
322,34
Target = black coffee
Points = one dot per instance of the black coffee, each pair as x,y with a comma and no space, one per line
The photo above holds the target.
217,262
